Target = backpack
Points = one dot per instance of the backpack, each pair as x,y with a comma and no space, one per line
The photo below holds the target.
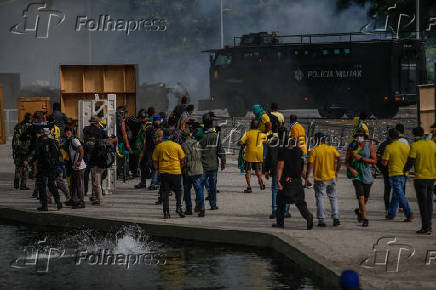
22,137
51,154
89,146
103,155
274,122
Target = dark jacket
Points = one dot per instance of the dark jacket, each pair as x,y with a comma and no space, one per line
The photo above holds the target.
293,189
47,156
211,151
272,156
380,150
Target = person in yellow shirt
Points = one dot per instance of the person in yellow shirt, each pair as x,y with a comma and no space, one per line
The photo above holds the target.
432,135
275,112
262,118
55,133
298,133
395,157
168,159
254,141
423,157
325,162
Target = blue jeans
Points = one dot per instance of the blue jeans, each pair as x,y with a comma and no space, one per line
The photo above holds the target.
188,183
154,174
210,177
265,151
326,187
275,190
207,187
397,183
154,177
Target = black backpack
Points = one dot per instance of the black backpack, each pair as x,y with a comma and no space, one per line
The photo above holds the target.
274,122
51,154
89,146
103,155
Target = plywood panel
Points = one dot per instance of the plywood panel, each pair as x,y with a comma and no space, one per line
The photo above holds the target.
427,106
71,79
114,79
427,98
69,103
2,118
32,105
130,82
93,80
101,79
131,104
427,119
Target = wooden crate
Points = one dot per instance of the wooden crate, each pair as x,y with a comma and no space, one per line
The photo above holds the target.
426,106
32,105
2,118
80,82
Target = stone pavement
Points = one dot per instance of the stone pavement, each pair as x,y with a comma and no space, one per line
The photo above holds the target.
337,248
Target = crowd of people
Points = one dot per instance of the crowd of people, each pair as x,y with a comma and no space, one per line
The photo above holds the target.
178,153
279,152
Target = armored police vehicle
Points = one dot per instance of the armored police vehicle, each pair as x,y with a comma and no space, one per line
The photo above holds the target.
337,74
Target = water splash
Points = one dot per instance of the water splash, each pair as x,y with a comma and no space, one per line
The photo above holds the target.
130,239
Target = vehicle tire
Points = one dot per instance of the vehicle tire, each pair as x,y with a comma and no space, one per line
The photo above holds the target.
237,107
386,112
331,114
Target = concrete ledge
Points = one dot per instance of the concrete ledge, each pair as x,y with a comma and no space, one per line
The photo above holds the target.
324,272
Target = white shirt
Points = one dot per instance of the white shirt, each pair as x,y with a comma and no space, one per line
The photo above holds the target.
74,154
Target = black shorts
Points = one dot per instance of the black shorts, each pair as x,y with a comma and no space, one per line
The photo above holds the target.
253,166
361,188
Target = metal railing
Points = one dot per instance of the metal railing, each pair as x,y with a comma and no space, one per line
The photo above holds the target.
317,38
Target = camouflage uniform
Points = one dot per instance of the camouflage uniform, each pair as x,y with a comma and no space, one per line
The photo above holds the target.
21,144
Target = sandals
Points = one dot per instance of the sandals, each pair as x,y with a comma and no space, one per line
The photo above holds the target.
262,185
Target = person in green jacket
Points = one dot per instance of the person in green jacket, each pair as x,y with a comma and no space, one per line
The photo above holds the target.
211,150
193,174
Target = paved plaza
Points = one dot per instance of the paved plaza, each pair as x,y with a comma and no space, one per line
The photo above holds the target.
337,248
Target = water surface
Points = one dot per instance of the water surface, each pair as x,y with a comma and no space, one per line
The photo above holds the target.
82,260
